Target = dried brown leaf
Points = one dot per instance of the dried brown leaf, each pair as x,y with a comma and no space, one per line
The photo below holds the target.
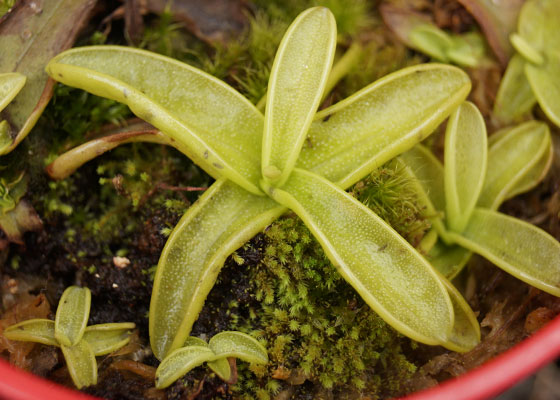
31,34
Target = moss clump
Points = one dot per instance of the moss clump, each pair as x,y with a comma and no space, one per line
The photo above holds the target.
318,331
390,194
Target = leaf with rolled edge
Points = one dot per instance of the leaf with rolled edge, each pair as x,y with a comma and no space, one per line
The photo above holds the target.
81,363
32,33
516,160
220,366
106,338
33,330
215,126
222,220
72,315
519,248
238,345
65,164
545,82
181,361
465,160
372,257
297,81
10,85
381,121
466,330
515,96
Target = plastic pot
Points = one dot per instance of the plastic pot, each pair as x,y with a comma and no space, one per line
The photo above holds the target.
480,383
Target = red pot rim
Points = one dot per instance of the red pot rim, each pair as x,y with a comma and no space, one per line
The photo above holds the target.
483,382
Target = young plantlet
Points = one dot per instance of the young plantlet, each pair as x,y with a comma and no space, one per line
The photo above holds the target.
10,85
224,345
79,343
517,160
420,33
302,161
533,74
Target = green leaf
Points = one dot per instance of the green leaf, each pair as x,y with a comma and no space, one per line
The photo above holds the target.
106,338
181,361
427,172
519,248
297,81
72,315
213,125
466,330
392,278
464,164
538,24
238,345
381,121
33,330
220,366
535,175
515,96
31,36
67,163
545,82
221,220
515,157
81,364
10,85
449,260
431,40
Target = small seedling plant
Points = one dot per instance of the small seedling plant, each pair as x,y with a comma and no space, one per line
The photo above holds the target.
215,353
80,344
464,194
533,73
292,158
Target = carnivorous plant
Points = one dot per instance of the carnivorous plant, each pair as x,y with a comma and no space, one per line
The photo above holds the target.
216,352
293,157
533,74
462,197
69,331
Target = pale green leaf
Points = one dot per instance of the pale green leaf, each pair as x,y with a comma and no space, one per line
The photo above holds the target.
392,278
538,24
533,177
67,163
72,315
431,40
464,164
516,155
214,125
220,366
106,338
545,82
515,96
381,121
427,172
238,345
519,248
10,85
221,220
466,330
181,361
195,341
33,330
449,260
81,364
297,81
